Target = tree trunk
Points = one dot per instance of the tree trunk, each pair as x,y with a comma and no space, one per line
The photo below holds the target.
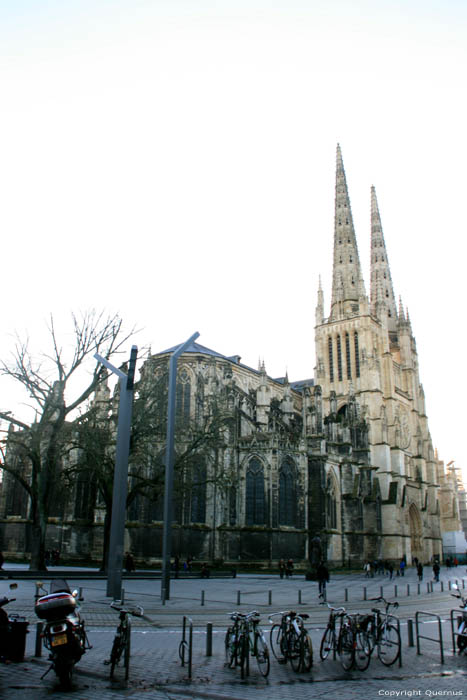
39,530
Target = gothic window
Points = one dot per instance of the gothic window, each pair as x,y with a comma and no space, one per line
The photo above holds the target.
233,506
331,360
357,355
288,493
85,496
331,505
198,492
339,358
347,356
183,396
379,517
255,510
350,258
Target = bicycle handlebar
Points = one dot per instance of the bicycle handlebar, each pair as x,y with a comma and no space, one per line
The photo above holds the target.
136,612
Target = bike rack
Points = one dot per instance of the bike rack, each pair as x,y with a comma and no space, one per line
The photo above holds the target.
395,619
431,639
187,645
453,617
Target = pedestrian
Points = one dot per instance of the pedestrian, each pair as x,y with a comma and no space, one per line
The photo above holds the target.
322,574
281,568
402,567
204,571
367,569
289,568
455,561
129,562
390,570
436,570
420,571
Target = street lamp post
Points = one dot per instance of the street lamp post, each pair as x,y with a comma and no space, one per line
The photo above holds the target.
120,486
169,469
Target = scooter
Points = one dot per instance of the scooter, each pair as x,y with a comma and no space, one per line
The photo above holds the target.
64,634
461,632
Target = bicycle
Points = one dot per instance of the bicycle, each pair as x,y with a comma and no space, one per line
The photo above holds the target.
341,642
244,638
290,640
231,641
383,634
121,645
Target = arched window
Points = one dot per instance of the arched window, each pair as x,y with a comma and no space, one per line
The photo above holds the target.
339,358
183,396
198,492
288,493
331,360
379,516
331,504
255,510
357,355
347,356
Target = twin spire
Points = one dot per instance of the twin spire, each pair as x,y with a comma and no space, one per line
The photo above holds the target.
348,288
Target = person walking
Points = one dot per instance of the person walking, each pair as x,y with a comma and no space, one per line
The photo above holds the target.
322,574
402,567
390,570
436,570
281,568
367,569
420,571
289,568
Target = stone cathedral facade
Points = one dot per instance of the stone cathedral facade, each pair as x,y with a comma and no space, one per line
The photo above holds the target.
340,465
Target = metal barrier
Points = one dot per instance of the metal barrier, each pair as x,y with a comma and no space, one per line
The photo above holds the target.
186,647
431,639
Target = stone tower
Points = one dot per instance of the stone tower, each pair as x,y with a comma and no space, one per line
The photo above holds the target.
365,350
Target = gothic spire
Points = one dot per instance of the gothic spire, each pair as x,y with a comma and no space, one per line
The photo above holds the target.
380,272
348,288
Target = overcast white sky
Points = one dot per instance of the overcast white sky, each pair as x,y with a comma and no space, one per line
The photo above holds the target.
174,161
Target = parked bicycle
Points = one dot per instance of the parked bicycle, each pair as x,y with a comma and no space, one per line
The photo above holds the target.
382,633
244,638
339,638
121,645
290,640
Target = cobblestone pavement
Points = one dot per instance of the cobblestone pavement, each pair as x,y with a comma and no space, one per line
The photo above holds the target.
156,672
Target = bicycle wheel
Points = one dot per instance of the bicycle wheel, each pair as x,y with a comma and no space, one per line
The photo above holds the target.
116,653
345,647
362,649
389,644
262,654
276,641
327,643
294,650
127,650
231,647
306,652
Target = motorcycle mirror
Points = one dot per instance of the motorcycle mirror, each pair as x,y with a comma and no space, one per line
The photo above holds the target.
74,593
13,586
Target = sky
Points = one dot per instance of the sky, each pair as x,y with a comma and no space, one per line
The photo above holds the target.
174,161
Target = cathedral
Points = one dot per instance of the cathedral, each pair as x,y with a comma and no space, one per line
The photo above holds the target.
339,466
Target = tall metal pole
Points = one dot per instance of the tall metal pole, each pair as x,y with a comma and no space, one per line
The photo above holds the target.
120,486
169,469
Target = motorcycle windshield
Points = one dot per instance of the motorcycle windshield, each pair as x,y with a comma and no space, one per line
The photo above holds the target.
59,585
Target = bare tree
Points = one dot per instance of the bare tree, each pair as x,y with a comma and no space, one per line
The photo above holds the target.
58,382
197,439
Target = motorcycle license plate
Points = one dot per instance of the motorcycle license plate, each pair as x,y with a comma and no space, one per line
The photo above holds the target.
59,639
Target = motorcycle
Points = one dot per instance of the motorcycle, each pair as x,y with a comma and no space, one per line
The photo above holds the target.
64,635
461,632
